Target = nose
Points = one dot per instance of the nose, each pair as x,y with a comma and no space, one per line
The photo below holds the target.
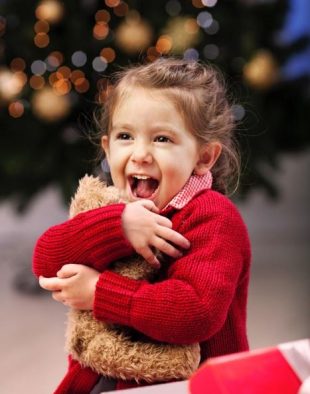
141,153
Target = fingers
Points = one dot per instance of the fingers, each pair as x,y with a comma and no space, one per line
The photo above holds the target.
150,257
173,236
68,270
148,204
166,248
57,296
51,284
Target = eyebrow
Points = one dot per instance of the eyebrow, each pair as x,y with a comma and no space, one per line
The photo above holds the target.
157,128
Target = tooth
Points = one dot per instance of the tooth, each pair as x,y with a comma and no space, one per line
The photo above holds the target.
141,176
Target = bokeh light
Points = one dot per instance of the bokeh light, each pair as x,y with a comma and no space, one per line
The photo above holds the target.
38,67
108,54
51,11
173,7
49,106
99,64
41,27
36,82
100,30
11,83
103,16
16,109
79,58
18,64
41,40
164,44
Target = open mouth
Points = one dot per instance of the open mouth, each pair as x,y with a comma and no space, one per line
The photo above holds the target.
143,186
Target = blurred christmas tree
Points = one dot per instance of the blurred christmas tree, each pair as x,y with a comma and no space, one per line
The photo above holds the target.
55,55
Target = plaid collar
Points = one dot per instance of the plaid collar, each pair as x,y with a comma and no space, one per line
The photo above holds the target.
194,185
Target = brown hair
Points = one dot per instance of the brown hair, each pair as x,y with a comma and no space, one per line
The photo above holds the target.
198,92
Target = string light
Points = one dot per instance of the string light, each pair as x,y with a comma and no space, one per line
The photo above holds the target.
164,44
11,84
100,30
51,11
197,3
103,16
134,34
79,58
211,51
81,85
18,64
191,54
204,19
36,82
41,40
41,27
173,7
108,54
54,60
121,10
38,67
209,3
49,106
99,64
16,109
152,54
112,3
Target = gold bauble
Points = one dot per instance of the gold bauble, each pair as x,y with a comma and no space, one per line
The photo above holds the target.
51,11
134,34
49,106
262,71
184,33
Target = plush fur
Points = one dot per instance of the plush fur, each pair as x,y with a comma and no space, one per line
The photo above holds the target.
115,351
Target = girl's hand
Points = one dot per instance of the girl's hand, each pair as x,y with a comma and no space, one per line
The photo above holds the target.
74,286
145,228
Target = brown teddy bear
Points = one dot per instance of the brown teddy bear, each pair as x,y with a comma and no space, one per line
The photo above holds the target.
115,351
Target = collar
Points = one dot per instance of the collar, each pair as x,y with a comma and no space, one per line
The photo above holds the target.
194,185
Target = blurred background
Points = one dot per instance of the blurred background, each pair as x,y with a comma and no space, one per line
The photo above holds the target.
55,62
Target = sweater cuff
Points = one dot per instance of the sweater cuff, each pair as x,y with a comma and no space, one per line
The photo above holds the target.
113,298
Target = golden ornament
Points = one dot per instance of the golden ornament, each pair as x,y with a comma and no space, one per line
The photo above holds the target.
134,34
184,33
49,106
262,71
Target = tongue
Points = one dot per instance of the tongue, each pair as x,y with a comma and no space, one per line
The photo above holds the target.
146,187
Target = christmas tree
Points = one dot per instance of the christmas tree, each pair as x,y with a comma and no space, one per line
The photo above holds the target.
55,56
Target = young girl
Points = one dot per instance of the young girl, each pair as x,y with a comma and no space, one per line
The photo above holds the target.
167,135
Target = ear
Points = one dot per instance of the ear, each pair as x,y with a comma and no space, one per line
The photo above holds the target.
209,153
105,145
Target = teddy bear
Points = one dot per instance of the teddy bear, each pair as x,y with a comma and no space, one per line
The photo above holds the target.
115,351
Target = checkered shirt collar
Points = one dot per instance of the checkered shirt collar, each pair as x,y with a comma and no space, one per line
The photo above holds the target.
194,185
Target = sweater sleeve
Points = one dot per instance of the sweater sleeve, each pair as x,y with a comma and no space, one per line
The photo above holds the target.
192,303
94,238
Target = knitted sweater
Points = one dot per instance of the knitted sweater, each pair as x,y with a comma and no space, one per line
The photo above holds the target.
201,297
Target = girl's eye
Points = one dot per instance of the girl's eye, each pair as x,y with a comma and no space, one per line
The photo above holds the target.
162,138
123,136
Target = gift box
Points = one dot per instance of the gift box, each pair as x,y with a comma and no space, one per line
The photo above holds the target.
283,369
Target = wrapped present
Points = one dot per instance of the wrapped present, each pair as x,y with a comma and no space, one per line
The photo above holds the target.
283,369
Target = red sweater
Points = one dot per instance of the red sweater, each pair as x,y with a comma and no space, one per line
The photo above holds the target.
203,295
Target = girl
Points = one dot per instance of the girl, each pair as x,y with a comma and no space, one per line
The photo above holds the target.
167,135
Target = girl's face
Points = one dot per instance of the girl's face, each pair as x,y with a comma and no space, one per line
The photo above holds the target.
150,150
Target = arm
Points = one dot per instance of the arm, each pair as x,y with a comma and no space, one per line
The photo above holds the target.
100,236
192,303
94,238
